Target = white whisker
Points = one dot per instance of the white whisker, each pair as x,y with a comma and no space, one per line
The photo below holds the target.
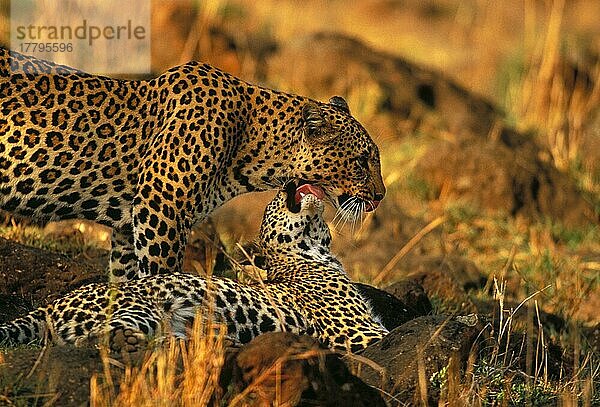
344,212
352,211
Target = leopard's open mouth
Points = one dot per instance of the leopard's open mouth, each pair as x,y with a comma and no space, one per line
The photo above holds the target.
297,190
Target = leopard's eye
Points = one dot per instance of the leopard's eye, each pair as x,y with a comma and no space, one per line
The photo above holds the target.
363,161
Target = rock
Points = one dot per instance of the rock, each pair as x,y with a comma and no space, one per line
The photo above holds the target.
506,175
57,375
395,310
40,275
447,277
464,272
412,295
286,369
425,343
13,306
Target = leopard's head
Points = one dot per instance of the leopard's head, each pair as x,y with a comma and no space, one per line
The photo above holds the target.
337,155
293,222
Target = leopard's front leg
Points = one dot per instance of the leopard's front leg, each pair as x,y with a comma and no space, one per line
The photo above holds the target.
161,223
123,264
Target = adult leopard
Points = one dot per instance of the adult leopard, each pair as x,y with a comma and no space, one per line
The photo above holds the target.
152,158
307,291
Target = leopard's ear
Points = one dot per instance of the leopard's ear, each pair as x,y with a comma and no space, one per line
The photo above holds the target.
316,128
340,103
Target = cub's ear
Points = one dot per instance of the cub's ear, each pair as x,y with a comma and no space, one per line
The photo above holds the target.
340,103
316,128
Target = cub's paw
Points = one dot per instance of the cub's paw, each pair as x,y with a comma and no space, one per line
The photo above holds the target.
127,340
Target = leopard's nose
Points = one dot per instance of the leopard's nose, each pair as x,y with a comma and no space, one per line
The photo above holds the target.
378,197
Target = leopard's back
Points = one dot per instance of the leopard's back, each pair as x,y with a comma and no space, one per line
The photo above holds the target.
71,141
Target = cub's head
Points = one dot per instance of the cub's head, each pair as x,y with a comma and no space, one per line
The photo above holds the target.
293,222
337,155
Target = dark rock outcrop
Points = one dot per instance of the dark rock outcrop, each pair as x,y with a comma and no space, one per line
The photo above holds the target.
41,275
405,301
286,369
424,345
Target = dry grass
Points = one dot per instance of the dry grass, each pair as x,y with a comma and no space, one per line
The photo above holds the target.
495,376
555,97
176,373
68,241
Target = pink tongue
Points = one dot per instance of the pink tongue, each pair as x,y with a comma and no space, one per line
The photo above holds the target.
308,189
